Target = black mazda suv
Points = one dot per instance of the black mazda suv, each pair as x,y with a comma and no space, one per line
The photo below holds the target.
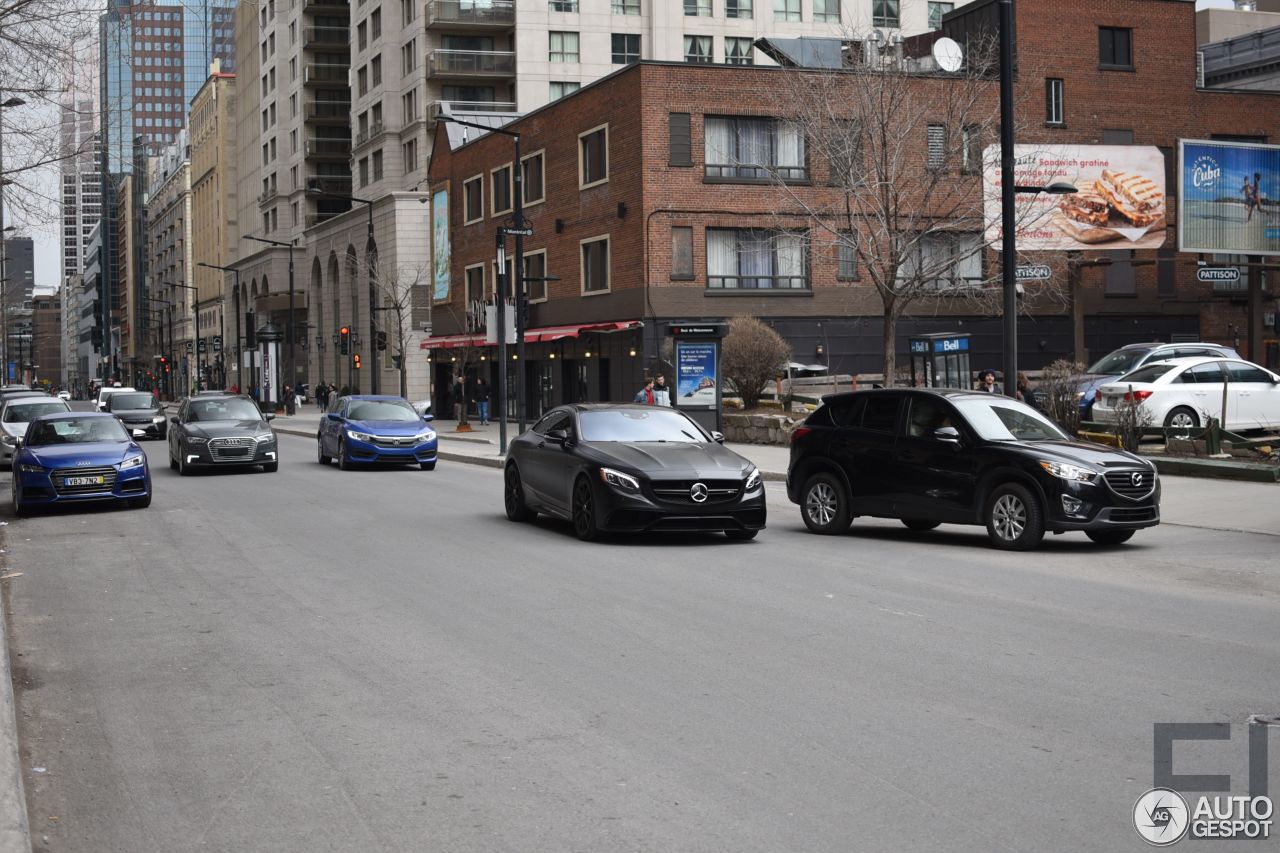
929,457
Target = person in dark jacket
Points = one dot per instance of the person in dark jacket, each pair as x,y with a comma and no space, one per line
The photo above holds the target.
481,395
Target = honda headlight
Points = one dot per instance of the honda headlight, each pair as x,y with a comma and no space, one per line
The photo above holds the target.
359,436
619,480
1069,472
753,479
133,462
425,436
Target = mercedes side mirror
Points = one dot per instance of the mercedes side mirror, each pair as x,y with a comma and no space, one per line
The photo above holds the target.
717,437
268,416
559,436
951,435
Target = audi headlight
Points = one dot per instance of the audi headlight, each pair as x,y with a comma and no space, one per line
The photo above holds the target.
133,462
31,469
1069,472
195,439
266,436
753,479
619,480
359,436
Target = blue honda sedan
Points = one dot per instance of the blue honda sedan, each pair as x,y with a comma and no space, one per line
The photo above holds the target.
366,429
78,456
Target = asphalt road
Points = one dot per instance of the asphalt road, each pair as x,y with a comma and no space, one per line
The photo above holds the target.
314,660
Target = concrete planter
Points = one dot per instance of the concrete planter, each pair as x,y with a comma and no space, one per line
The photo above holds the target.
759,429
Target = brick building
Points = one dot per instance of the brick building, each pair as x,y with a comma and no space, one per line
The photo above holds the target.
638,225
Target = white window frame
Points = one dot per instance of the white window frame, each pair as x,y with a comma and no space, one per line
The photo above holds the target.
479,214
608,265
583,135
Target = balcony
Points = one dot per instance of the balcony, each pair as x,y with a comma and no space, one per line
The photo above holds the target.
456,14
326,7
471,63
328,112
373,131
316,74
267,196
329,38
470,107
329,148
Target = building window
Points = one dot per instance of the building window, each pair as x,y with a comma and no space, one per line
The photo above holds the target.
697,49
626,48
375,71
532,178
376,160
751,259
564,5
472,200
500,182
884,13
409,106
626,7
593,157
408,57
1115,47
936,11
362,80
1053,91
971,149
681,252
408,11
737,51
595,265
411,156
375,25
560,88
847,257
753,149
737,8
946,262
936,139
1119,278
697,8
786,10
364,171
564,47
535,274
474,282
362,35
827,11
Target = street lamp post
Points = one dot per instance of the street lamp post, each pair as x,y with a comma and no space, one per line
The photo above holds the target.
371,252
292,370
168,384
236,272
517,278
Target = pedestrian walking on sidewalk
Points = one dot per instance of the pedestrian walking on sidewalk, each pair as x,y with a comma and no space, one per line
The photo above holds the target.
459,404
662,392
645,395
481,395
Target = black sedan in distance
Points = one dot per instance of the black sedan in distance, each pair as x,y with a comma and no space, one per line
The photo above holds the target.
221,431
629,469
140,412
962,457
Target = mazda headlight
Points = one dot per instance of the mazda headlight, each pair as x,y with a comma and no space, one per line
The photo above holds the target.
133,462
1069,472
619,480
265,437
195,439
31,469
359,436
753,479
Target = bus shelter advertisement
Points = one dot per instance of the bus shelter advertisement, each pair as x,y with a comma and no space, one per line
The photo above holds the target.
1118,202
1230,198
696,374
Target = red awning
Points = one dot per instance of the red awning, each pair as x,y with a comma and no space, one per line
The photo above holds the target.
532,336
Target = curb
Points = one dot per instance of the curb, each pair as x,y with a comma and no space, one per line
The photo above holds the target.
15,835
1217,469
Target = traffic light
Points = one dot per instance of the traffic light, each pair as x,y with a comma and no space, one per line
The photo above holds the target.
344,334
355,361
381,340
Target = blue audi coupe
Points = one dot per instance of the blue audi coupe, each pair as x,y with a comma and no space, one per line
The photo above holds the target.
73,457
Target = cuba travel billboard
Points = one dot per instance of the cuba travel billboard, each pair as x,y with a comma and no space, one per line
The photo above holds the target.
1118,203
1230,197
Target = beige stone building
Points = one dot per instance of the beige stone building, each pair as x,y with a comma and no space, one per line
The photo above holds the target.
215,220
169,259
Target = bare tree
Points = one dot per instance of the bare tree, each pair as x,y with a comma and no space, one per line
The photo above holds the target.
754,355
1059,391
898,193
405,288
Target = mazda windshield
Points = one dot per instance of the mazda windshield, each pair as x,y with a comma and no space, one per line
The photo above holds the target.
1003,419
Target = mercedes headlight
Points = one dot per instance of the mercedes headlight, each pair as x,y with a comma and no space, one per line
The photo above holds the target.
266,436
132,462
359,436
1069,472
753,479
619,480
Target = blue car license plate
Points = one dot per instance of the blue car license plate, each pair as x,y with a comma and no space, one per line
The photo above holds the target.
84,481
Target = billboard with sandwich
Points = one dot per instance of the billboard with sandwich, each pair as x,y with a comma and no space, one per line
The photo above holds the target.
1229,201
1119,202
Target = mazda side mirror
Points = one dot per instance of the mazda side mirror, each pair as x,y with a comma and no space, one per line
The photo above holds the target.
951,435
717,437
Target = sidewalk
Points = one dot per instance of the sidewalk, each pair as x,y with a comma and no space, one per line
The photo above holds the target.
1186,501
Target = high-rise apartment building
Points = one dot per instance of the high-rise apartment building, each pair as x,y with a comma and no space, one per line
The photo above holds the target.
168,256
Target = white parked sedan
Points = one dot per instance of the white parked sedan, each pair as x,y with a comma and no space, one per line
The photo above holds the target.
1182,393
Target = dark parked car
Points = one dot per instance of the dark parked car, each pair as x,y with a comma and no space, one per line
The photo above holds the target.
140,412
375,429
932,456
77,456
221,431
630,469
